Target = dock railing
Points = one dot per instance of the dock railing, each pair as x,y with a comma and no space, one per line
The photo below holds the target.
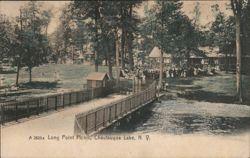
99,118
37,105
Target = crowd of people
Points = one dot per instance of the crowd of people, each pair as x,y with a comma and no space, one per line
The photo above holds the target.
174,72
145,72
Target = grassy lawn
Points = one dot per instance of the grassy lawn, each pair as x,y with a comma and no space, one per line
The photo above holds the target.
219,88
71,75
44,80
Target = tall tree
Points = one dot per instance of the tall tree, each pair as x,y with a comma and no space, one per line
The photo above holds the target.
129,30
237,7
7,36
34,40
246,30
170,29
10,45
222,33
104,19
90,10
197,14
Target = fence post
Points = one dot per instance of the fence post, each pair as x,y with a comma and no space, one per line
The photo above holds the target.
77,97
86,125
121,108
95,120
93,93
2,114
85,95
104,117
28,109
69,99
56,102
110,113
129,104
16,111
141,98
63,100
47,105
116,111
37,106
82,96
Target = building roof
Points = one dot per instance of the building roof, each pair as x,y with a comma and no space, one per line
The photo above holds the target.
89,53
97,76
80,56
210,49
212,52
156,53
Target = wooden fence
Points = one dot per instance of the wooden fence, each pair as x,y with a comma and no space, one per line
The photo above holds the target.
97,119
35,106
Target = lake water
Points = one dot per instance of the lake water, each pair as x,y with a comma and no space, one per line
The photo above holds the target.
186,117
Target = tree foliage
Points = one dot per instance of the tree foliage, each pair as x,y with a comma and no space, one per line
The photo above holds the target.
32,34
170,29
7,36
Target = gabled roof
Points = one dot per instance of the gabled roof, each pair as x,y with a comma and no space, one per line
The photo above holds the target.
209,49
89,53
97,76
213,52
156,53
80,57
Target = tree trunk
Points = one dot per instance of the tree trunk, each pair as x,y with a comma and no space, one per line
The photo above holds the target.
130,54
188,58
117,58
96,58
130,42
123,48
96,39
30,74
106,57
227,61
161,56
123,35
238,60
230,61
161,69
108,49
17,74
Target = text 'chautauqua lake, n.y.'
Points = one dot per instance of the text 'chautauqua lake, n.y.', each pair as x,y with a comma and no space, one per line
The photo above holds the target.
95,137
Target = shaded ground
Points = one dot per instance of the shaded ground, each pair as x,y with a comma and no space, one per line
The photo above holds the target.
39,85
217,89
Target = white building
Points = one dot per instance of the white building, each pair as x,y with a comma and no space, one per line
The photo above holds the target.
155,55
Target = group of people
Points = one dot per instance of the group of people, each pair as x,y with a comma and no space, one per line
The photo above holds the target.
170,72
174,72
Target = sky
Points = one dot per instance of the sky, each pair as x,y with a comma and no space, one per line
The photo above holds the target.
11,9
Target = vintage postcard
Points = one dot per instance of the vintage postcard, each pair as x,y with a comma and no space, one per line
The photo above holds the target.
127,79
